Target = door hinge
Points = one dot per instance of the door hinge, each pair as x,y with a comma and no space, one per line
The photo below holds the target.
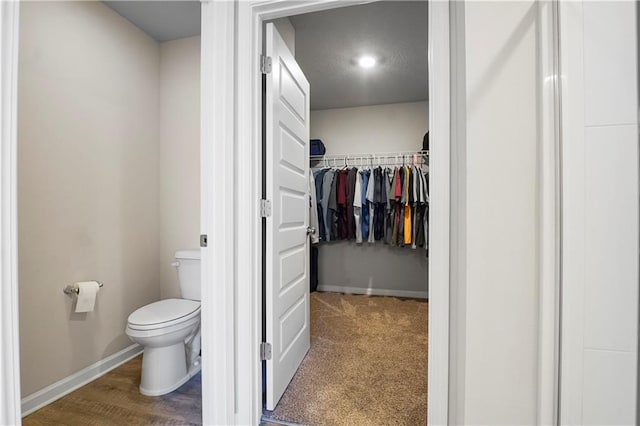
265,351
203,240
265,64
265,208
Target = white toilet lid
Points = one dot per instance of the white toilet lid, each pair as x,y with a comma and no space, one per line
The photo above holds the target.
164,311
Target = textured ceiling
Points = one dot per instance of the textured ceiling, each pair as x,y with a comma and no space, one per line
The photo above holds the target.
162,20
326,44
394,31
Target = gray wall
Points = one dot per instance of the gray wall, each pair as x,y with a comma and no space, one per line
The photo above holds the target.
381,128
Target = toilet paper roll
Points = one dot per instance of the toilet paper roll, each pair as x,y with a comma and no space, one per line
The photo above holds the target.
87,295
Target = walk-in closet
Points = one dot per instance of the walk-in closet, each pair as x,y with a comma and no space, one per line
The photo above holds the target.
368,216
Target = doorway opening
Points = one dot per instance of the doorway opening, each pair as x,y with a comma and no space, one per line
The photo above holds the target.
345,309
240,352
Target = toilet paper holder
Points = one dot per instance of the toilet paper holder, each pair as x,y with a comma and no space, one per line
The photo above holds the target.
72,289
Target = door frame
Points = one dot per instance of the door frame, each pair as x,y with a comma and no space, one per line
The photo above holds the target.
10,408
247,105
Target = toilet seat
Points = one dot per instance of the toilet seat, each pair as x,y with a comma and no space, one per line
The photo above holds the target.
163,314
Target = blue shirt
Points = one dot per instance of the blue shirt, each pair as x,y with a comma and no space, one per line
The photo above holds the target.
365,204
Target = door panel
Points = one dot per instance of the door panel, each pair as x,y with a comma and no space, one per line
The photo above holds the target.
287,257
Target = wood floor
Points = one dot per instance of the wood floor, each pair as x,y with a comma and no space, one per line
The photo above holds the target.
114,399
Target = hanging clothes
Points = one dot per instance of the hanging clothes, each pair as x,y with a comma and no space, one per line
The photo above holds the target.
380,204
421,211
342,205
418,208
313,211
387,177
350,195
394,199
319,180
425,219
371,191
407,206
327,184
415,189
401,200
357,207
333,207
366,174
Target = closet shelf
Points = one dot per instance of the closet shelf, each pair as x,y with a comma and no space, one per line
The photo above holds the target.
371,159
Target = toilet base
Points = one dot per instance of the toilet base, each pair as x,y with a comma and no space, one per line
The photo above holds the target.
164,369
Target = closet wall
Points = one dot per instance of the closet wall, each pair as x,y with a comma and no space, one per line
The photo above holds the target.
373,268
108,175
371,129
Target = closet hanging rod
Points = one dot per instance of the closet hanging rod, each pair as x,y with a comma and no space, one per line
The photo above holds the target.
368,155
372,154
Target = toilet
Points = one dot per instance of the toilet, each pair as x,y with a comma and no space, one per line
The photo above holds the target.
169,331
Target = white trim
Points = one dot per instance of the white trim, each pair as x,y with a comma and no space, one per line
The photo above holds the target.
217,218
9,355
549,231
374,291
572,157
249,237
63,387
248,315
458,243
439,211
548,338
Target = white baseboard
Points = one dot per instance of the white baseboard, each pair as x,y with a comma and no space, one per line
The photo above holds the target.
374,291
67,385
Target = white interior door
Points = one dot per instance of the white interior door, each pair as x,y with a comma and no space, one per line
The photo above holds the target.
287,257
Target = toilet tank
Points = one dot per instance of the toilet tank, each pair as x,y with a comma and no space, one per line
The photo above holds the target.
188,267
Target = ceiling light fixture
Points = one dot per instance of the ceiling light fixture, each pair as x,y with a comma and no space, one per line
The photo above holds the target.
367,61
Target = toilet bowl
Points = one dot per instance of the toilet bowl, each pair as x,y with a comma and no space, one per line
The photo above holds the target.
169,331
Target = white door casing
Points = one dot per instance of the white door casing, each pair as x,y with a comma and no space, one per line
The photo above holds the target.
9,356
248,36
287,187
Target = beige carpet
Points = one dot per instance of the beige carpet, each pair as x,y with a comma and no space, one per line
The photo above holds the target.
367,364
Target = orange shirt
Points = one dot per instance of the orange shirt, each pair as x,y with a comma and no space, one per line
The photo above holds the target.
407,207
